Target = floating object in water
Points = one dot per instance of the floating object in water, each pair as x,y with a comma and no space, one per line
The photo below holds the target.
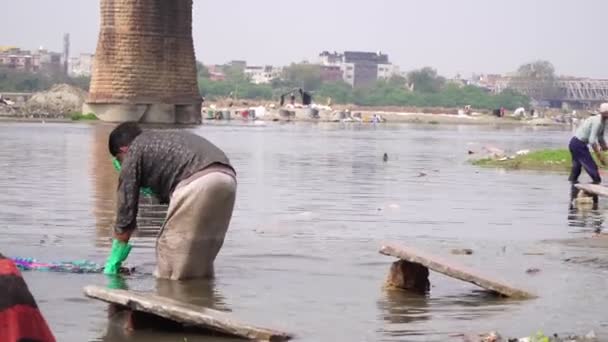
169,312
533,270
463,251
385,157
81,266
593,189
418,264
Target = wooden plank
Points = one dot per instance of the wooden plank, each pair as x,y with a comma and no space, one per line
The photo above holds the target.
593,189
459,272
184,313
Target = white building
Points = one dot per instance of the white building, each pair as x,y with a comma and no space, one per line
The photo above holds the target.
262,74
386,71
81,65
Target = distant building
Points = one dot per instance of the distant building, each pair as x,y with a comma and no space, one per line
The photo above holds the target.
494,83
331,73
24,60
240,65
359,69
216,73
81,65
262,74
17,59
386,71
331,59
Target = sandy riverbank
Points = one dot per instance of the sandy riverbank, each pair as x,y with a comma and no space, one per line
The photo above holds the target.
366,116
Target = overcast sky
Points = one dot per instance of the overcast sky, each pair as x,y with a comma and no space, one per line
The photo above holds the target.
454,36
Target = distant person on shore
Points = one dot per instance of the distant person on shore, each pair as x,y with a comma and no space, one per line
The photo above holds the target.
189,173
590,132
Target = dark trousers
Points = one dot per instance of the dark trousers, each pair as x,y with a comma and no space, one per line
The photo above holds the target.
581,158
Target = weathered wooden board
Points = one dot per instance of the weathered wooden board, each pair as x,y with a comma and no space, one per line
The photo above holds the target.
459,272
594,189
184,313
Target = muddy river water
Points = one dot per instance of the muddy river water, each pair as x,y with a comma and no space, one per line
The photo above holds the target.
314,204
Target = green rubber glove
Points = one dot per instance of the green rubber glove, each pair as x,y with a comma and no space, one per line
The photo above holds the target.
120,252
145,191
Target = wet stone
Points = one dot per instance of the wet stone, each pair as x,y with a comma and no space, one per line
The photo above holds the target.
405,275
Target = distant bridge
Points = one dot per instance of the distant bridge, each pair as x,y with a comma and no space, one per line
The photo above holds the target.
585,90
563,92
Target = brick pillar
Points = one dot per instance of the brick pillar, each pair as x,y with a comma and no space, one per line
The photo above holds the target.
145,67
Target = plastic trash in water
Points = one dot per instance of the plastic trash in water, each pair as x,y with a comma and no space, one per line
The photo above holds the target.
78,266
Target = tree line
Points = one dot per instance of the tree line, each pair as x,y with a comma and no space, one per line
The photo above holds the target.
18,81
418,88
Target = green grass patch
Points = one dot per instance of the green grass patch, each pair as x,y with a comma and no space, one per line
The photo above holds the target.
550,160
83,117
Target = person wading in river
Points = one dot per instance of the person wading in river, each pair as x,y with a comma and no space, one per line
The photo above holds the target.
590,132
189,173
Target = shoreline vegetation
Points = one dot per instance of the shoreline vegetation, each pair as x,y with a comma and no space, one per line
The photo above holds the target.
558,160
77,116
548,159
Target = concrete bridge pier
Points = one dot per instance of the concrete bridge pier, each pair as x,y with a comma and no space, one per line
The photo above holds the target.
146,113
145,66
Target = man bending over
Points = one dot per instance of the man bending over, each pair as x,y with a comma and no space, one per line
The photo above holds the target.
190,174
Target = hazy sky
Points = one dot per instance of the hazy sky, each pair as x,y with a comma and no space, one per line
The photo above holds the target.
454,36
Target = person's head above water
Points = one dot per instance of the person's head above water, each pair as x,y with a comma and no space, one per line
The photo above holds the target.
121,137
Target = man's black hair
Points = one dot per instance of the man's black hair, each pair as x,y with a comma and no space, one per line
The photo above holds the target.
123,135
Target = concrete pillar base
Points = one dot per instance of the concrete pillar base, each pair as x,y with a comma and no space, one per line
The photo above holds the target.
188,114
159,113
115,112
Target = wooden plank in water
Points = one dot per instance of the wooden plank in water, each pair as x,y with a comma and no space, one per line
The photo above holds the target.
594,189
459,272
184,313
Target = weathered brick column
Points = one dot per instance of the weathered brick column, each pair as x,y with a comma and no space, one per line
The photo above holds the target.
145,67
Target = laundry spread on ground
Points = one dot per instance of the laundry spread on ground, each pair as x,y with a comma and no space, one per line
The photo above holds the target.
79,266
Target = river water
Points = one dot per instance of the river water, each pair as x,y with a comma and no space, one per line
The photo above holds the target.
315,202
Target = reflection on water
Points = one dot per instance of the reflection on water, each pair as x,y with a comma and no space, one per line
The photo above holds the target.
203,293
315,203
104,177
586,219
401,307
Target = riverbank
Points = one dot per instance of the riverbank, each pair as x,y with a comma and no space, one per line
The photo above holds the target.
367,116
545,160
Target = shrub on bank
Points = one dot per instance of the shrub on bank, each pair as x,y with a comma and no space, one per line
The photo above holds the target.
83,117
551,160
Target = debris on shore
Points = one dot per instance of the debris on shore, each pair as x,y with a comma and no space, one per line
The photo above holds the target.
56,103
538,337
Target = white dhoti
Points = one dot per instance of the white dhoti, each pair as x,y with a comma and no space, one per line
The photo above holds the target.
197,220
